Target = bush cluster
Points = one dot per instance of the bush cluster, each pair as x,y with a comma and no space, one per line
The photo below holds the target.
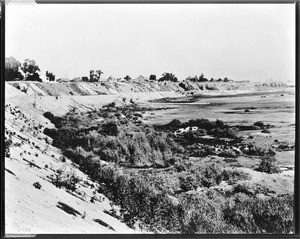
269,165
157,200
66,179
273,215
57,121
259,151
8,143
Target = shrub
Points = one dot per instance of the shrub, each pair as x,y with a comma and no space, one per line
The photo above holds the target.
66,179
193,135
52,133
269,165
174,124
252,215
201,123
57,121
228,153
211,175
259,124
220,123
8,143
110,105
184,86
50,76
233,175
202,152
187,182
110,128
223,133
202,215
260,151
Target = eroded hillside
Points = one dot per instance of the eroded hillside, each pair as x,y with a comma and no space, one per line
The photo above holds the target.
47,192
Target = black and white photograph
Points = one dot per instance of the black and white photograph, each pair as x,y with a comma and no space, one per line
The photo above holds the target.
169,118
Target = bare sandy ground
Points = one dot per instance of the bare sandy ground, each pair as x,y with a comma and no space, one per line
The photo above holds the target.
29,210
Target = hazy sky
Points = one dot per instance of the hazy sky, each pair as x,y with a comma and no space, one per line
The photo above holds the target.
239,41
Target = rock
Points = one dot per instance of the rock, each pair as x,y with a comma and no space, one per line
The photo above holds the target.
37,185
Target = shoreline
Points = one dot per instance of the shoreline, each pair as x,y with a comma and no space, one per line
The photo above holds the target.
194,98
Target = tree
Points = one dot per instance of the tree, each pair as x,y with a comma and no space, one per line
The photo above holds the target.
50,75
168,77
30,69
152,77
202,78
12,69
95,75
193,79
127,78
99,73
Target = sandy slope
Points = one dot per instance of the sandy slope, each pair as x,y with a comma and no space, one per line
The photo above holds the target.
29,210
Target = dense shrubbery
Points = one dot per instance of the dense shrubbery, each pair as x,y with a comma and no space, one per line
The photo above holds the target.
269,165
57,121
259,151
113,142
7,145
274,215
202,214
224,133
157,199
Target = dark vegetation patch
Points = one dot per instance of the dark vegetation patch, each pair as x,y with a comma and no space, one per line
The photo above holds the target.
148,172
66,179
31,164
11,172
68,209
269,165
274,215
7,145
102,223
282,146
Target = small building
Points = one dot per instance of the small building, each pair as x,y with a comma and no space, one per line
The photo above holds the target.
140,79
111,79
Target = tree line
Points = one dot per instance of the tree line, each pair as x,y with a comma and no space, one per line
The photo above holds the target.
28,71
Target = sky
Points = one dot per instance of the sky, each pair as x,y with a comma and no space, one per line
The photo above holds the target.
240,41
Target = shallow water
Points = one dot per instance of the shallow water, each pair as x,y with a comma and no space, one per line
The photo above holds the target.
270,109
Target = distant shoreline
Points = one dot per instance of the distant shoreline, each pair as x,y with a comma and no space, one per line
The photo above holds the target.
194,98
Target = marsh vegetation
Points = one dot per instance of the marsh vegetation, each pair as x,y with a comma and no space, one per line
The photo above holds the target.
178,177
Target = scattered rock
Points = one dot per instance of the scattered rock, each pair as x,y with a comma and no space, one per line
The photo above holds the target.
37,185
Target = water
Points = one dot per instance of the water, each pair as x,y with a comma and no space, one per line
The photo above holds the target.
270,109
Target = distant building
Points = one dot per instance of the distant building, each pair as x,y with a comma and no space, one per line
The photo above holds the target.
140,79
111,79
